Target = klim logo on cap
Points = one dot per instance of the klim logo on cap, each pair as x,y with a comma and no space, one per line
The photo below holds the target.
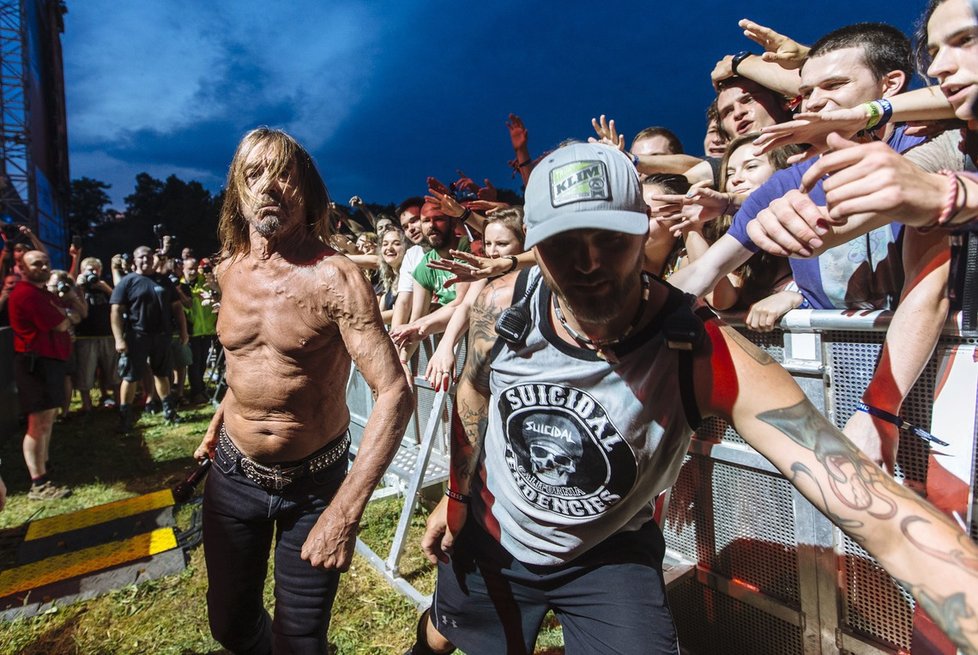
579,180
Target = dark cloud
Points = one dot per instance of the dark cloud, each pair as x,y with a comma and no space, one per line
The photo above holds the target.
430,91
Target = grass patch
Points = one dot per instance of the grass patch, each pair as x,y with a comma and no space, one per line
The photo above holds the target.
168,616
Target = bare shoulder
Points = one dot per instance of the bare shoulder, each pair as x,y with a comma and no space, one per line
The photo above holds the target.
725,365
343,290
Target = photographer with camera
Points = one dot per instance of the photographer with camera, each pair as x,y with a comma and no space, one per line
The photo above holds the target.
120,265
145,307
69,297
94,345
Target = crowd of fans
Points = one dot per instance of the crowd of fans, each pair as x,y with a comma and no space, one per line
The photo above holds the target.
148,328
773,111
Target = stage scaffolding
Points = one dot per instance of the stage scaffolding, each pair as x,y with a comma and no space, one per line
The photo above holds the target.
34,178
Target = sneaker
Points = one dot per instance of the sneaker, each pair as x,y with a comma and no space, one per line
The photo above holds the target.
125,420
48,491
153,407
108,403
170,411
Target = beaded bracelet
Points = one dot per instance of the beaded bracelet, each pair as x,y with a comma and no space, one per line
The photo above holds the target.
454,495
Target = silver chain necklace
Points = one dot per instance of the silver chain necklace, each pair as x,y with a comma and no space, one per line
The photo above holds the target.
601,345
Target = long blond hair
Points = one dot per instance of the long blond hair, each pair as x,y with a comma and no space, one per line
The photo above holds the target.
282,150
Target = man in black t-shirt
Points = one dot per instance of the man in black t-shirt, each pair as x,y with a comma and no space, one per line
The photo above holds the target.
145,306
94,345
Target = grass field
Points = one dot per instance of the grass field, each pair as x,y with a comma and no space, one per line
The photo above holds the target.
168,615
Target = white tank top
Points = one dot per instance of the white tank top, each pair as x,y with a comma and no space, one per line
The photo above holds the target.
577,448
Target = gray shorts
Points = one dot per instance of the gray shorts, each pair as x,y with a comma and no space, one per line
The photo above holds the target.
95,353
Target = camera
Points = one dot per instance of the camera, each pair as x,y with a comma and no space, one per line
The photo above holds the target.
205,267
88,279
174,279
64,287
10,230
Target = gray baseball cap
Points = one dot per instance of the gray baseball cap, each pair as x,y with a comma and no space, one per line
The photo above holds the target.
584,186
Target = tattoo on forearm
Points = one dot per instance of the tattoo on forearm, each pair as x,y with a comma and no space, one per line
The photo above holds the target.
467,435
949,612
745,344
852,478
855,483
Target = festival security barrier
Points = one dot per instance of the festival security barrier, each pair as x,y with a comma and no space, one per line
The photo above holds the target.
751,564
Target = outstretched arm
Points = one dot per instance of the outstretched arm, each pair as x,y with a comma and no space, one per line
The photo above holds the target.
812,128
930,556
910,341
469,420
701,276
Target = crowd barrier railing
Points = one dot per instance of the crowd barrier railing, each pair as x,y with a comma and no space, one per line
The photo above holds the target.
759,569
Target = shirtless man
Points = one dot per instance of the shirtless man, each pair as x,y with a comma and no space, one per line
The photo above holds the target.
293,315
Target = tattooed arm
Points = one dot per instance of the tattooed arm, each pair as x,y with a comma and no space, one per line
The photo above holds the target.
469,418
926,553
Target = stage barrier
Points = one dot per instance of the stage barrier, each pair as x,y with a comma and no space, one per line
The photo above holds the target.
754,566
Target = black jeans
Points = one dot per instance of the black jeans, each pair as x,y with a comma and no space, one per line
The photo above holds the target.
199,347
240,519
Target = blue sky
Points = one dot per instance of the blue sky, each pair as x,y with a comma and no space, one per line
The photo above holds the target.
384,94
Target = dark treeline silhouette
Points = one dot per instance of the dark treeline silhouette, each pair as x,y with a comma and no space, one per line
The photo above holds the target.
186,210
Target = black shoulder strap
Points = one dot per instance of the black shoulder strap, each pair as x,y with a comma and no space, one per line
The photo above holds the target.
514,321
683,331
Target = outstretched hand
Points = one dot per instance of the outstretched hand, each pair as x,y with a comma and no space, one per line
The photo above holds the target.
811,128
488,192
470,268
445,202
607,133
517,132
440,372
699,205
872,178
778,48
405,335
434,184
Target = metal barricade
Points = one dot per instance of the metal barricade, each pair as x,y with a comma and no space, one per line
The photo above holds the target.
421,461
773,575
769,573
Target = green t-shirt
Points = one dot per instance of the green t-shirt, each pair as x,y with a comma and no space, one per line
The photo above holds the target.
201,319
434,281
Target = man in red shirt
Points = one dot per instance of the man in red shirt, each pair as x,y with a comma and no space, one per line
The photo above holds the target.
41,349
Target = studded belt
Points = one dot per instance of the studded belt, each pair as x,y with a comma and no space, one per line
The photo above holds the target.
278,476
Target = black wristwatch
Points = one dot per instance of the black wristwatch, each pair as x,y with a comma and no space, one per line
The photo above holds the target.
738,58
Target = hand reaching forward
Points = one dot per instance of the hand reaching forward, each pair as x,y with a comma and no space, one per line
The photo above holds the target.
607,133
517,132
778,48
